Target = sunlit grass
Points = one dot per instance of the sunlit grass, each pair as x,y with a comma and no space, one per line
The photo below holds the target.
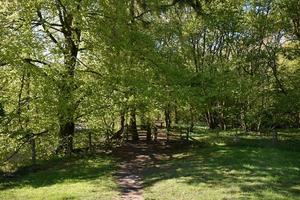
86,178
250,168
226,173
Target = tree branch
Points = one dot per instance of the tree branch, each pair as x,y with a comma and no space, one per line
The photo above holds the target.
30,61
43,23
27,138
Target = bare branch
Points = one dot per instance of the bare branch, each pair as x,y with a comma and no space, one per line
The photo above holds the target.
26,138
30,61
43,23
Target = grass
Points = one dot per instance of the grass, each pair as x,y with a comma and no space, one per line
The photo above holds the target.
217,167
251,168
84,178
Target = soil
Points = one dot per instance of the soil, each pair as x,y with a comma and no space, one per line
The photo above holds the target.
135,157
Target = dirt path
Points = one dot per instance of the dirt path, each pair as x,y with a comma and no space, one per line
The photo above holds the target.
136,157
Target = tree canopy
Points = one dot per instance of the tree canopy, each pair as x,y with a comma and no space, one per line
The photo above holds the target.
100,66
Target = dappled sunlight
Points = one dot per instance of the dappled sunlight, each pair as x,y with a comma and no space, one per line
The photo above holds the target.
228,173
85,177
155,99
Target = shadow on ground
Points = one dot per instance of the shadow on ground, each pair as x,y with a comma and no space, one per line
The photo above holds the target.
89,168
253,170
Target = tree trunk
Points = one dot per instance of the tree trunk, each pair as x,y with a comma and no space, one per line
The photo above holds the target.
187,136
67,130
143,120
191,128
168,118
274,137
120,133
211,120
90,142
221,116
126,132
298,120
155,132
148,129
176,117
122,121
132,126
70,48
33,151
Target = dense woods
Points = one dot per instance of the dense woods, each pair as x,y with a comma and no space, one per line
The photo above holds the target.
87,73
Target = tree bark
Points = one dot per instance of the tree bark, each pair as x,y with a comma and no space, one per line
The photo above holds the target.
149,133
66,131
72,38
191,128
211,120
122,121
90,142
155,132
274,137
176,115
132,126
168,118
33,151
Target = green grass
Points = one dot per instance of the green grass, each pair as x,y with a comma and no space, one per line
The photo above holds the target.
223,172
84,178
217,167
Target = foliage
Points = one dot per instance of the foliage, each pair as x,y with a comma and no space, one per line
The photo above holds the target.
66,66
